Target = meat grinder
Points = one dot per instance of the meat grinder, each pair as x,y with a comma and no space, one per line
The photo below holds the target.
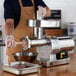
51,50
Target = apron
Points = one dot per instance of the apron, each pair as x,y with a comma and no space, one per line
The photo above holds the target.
22,30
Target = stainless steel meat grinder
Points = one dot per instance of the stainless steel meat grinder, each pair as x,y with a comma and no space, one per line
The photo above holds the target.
51,50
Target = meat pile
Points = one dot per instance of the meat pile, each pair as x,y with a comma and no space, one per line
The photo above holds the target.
19,66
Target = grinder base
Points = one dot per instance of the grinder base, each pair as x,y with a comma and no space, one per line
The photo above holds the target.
54,63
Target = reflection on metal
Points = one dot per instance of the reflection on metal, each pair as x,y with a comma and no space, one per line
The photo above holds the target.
40,24
44,23
38,32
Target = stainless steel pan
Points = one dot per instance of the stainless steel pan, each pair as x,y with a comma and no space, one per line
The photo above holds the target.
29,56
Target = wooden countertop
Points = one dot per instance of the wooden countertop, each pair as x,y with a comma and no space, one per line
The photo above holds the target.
62,70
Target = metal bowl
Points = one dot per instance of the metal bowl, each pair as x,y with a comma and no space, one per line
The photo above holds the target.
25,56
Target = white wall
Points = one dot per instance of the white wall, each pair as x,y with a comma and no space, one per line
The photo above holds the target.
2,51
1,13
2,16
68,8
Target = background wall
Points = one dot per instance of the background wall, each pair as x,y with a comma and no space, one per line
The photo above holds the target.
2,51
68,14
1,12
68,8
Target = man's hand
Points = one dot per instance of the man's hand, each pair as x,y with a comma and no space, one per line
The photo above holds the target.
10,41
44,11
41,11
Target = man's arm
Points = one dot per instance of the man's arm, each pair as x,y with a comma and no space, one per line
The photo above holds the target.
42,8
9,17
9,23
9,26
9,29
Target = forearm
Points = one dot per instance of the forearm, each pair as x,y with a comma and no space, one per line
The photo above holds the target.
9,26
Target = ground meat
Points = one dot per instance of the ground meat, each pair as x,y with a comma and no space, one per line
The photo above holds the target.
19,66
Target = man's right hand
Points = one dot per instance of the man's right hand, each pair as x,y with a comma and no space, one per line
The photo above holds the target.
10,42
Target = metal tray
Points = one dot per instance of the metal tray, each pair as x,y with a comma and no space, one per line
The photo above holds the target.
31,68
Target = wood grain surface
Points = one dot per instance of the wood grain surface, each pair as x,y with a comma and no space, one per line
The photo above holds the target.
61,70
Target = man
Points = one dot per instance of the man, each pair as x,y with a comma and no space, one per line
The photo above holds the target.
16,12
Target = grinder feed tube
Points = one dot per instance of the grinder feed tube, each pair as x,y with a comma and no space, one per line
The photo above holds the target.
36,42
57,44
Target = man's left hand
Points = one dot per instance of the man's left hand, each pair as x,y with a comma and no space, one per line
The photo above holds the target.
41,11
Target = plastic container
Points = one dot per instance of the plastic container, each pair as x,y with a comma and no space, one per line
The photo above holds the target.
71,28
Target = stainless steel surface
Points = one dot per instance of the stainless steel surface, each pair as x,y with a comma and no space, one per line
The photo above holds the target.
31,56
38,32
30,68
40,24
54,63
39,42
53,45
36,42
43,23
62,42
57,43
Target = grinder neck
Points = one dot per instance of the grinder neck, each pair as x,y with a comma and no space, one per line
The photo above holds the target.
38,32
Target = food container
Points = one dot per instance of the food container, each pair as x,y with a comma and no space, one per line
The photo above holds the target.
25,56
71,28
29,68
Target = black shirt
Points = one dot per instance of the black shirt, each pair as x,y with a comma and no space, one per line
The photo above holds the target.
12,8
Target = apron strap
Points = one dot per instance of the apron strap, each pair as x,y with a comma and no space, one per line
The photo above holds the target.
33,2
22,5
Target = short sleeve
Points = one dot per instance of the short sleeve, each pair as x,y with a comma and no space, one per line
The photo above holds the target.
39,3
8,10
